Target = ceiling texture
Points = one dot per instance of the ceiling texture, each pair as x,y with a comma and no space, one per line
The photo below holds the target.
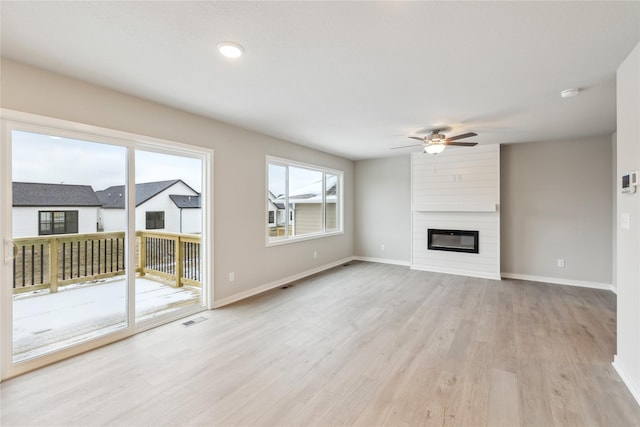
350,78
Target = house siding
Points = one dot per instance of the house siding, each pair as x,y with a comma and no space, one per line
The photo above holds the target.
25,219
308,218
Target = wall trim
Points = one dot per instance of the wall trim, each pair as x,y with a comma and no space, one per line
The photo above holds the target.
633,388
559,281
275,284
382,260
457,272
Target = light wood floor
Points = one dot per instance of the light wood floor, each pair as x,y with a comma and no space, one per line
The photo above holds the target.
366,344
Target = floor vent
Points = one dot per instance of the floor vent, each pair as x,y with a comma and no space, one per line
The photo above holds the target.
194,321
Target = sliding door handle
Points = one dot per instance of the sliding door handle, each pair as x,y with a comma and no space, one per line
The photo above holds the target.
12,253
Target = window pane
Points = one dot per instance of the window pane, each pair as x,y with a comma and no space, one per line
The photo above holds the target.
305,200
331,211
45,223
277,200
71,220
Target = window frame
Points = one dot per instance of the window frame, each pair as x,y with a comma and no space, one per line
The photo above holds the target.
155,221
52,222
289,214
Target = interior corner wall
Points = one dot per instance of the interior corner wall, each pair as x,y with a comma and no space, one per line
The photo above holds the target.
383,209
614,194
238,179
627,359
556,204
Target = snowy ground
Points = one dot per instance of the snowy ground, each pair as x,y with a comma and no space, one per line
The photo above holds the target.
44,322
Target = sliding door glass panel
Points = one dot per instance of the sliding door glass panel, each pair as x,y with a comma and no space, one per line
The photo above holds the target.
69,275
168,224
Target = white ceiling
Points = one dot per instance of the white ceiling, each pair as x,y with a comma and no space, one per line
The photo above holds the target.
350,78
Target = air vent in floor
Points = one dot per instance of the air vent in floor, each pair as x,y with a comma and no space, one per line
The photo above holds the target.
194,321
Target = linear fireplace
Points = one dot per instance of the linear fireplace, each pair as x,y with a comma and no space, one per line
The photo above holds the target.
453,240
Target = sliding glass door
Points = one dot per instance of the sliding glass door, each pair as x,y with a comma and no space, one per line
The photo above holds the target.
102,236
69,281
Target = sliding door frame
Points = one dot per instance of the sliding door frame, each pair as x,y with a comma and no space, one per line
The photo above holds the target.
11,120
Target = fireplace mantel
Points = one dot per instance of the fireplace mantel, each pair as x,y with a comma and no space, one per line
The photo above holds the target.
456,207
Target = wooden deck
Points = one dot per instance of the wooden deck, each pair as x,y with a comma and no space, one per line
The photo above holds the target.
366,344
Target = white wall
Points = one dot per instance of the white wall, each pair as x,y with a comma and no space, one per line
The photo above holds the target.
191,221
556,204
113,219
458,189
239,172
25,219
383,209
627,359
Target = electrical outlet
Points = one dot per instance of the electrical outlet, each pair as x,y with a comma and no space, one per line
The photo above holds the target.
315,255
382,246
232,276
560,262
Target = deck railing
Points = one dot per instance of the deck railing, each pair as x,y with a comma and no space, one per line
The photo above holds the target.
59,260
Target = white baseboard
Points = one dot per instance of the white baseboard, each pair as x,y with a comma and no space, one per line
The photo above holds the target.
559,281
458,272
277,283
382,260
633,387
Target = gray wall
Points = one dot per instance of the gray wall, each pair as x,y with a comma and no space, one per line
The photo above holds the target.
556,203
239,171
383,208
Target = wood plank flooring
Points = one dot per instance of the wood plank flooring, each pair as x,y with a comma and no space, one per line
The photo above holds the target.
364,345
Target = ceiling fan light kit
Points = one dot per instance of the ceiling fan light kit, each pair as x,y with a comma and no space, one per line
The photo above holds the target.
436,142
434,148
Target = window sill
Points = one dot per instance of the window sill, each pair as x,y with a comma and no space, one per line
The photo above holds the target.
302,238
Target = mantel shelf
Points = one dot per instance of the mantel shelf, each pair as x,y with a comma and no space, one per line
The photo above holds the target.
456,207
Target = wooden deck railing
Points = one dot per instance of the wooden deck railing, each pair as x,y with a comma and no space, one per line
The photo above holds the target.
52,261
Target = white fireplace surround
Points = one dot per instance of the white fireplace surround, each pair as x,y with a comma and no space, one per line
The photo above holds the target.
458,189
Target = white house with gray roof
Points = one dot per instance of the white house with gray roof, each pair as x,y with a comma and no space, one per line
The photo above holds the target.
41,209
44,209
162,206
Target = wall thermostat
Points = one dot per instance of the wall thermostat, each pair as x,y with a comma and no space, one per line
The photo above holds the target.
629,182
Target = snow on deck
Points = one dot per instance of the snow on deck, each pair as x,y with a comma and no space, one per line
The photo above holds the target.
44,322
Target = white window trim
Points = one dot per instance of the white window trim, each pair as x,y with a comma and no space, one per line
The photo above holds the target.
339,200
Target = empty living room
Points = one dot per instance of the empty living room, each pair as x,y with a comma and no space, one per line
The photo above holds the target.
285,213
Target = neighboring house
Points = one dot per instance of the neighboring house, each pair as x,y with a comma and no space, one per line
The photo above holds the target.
45,209
276,211
305,207
163,206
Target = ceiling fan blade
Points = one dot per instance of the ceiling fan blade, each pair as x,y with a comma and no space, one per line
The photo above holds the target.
407,146
419,138
464,135
463,144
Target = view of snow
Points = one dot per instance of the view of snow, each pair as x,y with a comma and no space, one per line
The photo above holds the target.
45,322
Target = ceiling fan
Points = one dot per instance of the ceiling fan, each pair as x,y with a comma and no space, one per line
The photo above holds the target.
435,142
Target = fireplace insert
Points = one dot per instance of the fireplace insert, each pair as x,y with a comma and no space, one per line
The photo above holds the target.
453,240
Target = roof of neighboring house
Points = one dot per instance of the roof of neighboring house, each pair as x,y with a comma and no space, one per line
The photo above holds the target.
39,194
186,202
114,196
310,194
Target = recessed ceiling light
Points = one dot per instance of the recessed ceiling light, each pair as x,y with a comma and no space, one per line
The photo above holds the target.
569,93
230,49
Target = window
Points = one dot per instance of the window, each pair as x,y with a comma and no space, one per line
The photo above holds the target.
155,220
57,222
308,199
